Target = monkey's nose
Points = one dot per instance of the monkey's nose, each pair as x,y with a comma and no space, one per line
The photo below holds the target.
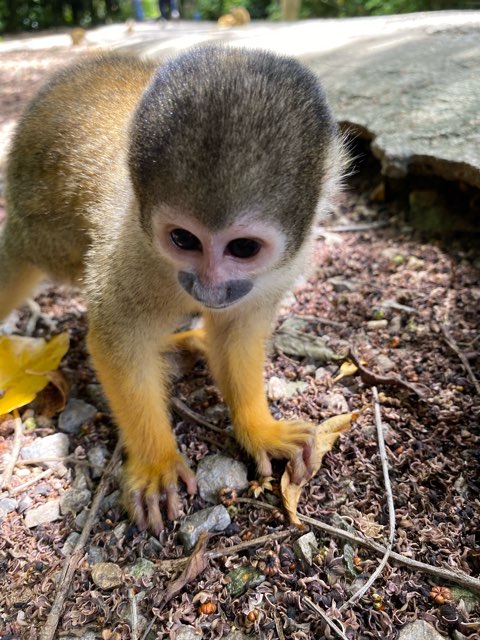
214,296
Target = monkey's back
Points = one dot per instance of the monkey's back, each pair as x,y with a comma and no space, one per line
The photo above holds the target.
67,166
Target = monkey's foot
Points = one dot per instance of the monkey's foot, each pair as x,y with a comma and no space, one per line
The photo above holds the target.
193,340
145,483
280,439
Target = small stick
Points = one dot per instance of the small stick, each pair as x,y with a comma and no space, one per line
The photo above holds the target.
185,412
371,378
456,577
133,605
361,226
319,320
25,485
329,621
68,459
453,345
178,563
71,561
17,443
391,507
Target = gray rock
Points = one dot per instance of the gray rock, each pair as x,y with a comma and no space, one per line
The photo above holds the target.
84,634
217,472
107,575
98,456
213,519
335,402
394,101
74,500
419,630
276,389
119,530
304,345
305,548
82,479
24,503
186,633
81,519
47,512
215,414
6,506
296,386
239,635
75,415
54,446
96,555
384,364
42,489
111,500
142,568
469,599
376,325
96,395
70,543
242,578
342,285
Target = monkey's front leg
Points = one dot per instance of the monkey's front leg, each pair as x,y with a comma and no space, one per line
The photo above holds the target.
236,353
135,382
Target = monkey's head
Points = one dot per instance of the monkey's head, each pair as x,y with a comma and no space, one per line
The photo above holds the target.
231,152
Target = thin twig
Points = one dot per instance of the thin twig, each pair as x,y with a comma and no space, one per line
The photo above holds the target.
178,563
391,508
17,443
324,616
134,617
453,345
25,485
371,378
319,320
185,412
361,226
71,562
66,459
454,576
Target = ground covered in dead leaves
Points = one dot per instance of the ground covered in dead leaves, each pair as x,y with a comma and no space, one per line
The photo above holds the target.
405,307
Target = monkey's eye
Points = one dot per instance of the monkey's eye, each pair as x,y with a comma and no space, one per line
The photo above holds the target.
185,240
243,248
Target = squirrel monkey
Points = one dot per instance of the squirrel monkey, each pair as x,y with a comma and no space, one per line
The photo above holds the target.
168,190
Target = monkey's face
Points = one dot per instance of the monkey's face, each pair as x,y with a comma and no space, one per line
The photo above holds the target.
218,268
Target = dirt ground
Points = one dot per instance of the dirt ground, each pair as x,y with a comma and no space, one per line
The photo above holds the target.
407,307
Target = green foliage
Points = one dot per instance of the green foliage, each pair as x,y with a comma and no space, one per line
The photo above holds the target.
30,15
213,9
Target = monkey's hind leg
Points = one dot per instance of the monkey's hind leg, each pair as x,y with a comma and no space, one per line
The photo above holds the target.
17,277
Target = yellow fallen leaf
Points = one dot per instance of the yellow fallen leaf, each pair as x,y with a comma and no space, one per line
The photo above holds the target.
325,436
24,367
347,369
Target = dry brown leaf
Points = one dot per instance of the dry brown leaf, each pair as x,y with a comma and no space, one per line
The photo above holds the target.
197,563
325,436
53,398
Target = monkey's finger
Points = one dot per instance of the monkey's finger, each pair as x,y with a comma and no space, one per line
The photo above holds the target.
308,456
137,510
155,520
298,468
264,464
173,502
188,477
